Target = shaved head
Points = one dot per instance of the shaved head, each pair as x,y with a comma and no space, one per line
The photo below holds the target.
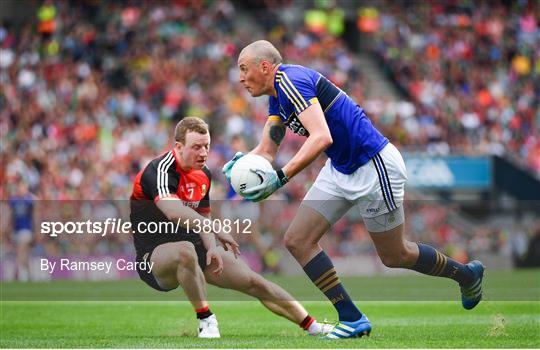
258,63
261,50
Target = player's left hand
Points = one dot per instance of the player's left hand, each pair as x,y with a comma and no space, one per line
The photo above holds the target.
271,183
213,254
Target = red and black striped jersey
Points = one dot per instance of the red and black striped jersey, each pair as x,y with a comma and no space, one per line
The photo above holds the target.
163,177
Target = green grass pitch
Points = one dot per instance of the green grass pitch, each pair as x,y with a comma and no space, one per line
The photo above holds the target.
31,316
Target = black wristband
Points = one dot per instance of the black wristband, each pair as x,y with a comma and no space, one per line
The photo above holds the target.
282,177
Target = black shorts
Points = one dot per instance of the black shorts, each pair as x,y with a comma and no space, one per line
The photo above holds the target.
146,255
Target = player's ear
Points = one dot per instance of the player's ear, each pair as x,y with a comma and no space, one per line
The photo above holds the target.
265,66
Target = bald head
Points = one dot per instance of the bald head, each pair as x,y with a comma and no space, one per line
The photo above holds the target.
261,50
258,63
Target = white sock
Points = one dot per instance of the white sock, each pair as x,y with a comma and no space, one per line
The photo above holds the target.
315,328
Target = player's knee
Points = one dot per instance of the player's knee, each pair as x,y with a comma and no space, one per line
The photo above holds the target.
186,255
293,244
290,244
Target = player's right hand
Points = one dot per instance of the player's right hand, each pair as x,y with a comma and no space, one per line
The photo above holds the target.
228,243
213,254
271,183
229,165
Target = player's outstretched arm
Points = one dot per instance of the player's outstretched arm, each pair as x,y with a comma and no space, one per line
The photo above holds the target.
175,210
312,118
272,135
225,238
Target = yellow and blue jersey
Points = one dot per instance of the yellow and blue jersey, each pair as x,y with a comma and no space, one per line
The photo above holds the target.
355,138
22,208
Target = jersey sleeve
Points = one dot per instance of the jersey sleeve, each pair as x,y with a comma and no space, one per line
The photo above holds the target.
204,205
160,180
298,88
273,108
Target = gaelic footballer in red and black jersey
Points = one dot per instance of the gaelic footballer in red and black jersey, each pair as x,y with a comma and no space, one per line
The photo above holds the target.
163,178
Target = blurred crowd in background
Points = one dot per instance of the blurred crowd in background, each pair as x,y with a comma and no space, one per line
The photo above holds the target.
477,88
91,92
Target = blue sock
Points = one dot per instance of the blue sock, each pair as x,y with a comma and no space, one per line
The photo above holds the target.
434,263
322,273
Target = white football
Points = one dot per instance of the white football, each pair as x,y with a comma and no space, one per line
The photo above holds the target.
242,177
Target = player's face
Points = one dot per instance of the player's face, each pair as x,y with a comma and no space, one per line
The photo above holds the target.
254,76
195,151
